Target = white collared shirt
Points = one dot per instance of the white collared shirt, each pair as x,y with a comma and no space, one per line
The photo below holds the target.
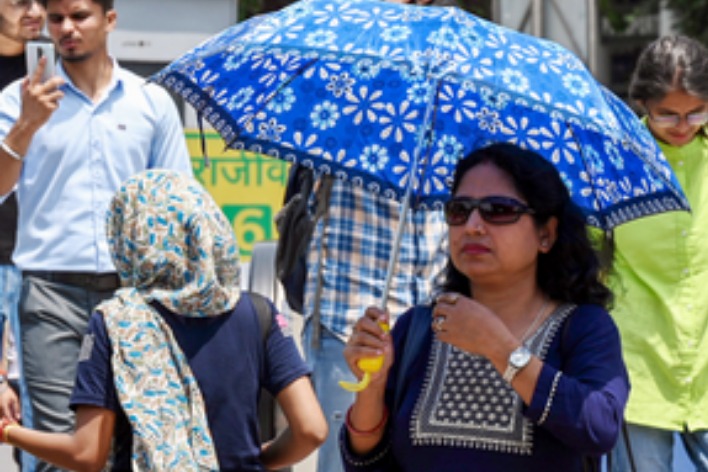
79,158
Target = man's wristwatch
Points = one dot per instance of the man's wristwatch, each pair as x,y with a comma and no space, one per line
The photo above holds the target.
518,359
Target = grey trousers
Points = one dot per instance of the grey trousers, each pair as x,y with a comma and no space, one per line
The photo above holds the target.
53,320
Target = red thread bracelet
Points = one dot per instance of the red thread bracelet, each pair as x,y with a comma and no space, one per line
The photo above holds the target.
358,432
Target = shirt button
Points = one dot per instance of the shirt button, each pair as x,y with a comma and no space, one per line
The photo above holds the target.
686,381
684,233
685,272
680,163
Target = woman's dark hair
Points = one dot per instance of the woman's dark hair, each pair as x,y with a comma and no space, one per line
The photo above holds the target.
571,270
670,63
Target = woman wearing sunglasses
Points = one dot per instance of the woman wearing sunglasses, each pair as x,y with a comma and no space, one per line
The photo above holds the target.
518,365
661,269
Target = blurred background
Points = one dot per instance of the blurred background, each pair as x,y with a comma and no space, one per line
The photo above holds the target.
606,34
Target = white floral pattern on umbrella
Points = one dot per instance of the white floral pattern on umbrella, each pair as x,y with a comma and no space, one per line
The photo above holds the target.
364,89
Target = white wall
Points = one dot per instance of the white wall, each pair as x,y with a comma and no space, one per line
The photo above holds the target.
158,31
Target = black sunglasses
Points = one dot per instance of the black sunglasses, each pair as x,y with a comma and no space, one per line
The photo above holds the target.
493,209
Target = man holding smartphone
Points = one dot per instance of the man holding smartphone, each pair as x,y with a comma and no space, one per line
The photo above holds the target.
20,21
68,143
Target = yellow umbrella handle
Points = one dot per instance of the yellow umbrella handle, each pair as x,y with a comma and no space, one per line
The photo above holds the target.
369,365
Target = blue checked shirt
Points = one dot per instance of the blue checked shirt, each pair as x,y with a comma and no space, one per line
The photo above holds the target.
359,233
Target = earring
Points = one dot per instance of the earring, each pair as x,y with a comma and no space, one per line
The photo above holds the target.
544,244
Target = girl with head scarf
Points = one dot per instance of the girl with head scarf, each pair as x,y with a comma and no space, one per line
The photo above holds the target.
171,369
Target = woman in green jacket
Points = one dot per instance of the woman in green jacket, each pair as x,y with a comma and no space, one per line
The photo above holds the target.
661,269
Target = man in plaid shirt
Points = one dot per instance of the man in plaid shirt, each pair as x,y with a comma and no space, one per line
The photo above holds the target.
353,241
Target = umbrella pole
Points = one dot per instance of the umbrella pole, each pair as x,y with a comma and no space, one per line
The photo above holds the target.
395,249
393,259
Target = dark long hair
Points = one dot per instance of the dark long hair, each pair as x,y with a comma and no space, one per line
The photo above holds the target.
570,271
670,63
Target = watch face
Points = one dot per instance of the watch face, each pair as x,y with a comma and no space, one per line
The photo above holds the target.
520,357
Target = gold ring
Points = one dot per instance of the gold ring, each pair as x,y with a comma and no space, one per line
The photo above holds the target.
449,298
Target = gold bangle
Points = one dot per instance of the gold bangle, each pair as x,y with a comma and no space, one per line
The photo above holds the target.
6,432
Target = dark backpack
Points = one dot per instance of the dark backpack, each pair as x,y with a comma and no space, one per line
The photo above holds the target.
295,225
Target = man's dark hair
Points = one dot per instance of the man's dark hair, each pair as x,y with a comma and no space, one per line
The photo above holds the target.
571,270
105,4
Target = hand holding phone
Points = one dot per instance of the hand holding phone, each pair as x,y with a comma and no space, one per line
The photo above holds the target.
34,51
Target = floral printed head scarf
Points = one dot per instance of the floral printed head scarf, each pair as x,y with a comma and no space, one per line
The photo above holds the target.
171,244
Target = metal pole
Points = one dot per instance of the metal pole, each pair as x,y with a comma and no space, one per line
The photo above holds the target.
496,11
537,18
592,36
422,145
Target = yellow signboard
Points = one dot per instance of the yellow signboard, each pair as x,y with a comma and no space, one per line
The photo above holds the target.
249,187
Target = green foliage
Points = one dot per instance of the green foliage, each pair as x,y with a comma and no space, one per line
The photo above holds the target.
622,13
249,8
691,17
618,20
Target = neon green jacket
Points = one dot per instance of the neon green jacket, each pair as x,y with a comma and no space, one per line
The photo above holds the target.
661,306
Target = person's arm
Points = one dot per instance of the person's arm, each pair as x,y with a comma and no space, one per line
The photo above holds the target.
307,427
473,327
39,101
368,416
86,449
9,404
582,404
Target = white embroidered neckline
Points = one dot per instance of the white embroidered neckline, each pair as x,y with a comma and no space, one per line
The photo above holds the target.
478,411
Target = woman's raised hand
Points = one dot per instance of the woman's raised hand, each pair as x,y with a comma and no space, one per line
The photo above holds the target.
469,325
369,351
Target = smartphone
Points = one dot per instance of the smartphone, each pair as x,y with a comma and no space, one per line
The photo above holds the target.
34,51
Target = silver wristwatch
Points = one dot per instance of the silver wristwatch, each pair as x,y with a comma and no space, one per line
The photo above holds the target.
518,359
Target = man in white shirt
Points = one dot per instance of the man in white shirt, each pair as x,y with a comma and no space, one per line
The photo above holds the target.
68,143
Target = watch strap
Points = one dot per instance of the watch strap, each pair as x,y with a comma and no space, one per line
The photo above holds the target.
510,373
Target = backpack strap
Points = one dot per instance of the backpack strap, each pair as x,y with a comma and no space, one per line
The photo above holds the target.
264,314
266,403
323,195
418,330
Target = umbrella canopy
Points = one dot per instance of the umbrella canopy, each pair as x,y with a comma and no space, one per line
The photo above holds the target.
390,96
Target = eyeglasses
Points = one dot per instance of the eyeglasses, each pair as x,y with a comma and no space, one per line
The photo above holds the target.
495,210
672,120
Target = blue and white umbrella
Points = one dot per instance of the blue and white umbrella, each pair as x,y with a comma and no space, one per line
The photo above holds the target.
391,96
